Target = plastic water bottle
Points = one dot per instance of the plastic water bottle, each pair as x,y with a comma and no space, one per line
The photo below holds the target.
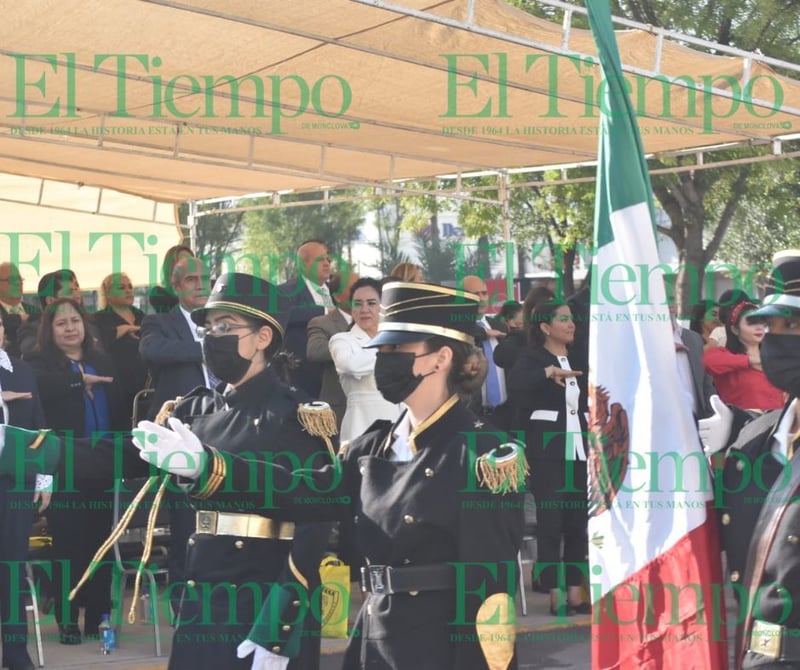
145,607
107,634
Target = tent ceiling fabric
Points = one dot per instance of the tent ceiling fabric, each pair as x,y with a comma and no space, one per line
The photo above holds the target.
48,225
405,114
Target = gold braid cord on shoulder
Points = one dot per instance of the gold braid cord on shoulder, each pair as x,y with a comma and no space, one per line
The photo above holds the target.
122,526
318,419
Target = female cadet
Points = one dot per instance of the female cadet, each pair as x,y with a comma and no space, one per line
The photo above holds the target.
239,548
439,542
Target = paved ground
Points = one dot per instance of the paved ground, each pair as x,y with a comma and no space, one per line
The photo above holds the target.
543,642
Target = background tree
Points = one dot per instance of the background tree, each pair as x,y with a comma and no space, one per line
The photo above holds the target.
217,235
703,205
271,236
559,216
389,213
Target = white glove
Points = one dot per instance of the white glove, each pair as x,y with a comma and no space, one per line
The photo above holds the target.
716,429
177,451
262,659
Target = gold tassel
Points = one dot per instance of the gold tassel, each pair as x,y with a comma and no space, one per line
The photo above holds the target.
166,411
494,624
503,473
148,546
318,419
121,527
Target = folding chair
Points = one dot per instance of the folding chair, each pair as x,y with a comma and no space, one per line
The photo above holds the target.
141,406
529,541
38,556
34,608
128,548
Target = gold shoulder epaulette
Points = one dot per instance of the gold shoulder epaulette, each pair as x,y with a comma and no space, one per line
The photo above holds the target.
166,411
317,419
503,469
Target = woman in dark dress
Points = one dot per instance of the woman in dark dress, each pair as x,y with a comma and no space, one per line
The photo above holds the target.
80,399
20,407
549,401
119,325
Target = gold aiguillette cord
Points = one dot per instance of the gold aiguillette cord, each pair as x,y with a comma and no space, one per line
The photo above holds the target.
121,527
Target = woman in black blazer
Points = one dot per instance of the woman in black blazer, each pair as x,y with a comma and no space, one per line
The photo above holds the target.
80,399
119,325
18,499
549,401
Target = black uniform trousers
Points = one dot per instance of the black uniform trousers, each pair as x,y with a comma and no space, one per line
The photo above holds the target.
80,522
559,488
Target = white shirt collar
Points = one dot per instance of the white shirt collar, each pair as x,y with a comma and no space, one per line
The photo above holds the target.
192,325
401,451
5,361
782,434
319,293
13,309
346,316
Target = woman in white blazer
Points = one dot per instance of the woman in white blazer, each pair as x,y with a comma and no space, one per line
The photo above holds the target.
356,365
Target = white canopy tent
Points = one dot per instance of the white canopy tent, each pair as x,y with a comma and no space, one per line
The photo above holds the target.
48,225
175,100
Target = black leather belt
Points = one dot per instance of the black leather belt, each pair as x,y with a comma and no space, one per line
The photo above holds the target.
774,641
387,580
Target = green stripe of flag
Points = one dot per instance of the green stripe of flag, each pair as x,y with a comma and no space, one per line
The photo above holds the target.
623,179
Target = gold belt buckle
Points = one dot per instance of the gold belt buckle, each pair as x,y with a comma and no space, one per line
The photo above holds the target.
206,522
242,525
765,639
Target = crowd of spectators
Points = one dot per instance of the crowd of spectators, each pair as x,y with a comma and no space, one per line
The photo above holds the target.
78,373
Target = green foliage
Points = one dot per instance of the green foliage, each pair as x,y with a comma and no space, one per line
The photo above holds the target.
768,222
271,236
216,235
389,213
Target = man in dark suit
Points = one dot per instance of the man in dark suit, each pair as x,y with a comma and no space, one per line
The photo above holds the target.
320,330
172,350
309,297
170,346
492,401
689,354
13,311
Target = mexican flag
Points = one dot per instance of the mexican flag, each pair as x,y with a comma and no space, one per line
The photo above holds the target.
654,558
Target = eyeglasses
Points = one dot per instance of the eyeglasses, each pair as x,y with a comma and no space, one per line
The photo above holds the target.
220,328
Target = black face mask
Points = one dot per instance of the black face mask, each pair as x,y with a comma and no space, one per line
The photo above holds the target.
780,358
221,354
394,374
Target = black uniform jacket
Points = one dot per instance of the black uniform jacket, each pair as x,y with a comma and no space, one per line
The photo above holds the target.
230,577
427,513
756,488
539,404
259,423
749,472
